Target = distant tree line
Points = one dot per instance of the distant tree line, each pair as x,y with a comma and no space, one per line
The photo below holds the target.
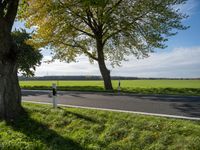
23,78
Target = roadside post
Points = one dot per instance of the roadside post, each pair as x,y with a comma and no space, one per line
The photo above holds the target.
119,84
54,93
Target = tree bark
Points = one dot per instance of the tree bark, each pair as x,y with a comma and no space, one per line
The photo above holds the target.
10,93
102,66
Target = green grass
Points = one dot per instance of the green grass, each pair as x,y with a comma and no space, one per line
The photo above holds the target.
44,128
124,83
178,87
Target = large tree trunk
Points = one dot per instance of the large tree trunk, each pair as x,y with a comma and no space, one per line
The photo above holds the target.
103,69
105,75
10,93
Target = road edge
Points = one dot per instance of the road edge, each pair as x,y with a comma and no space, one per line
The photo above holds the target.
122,111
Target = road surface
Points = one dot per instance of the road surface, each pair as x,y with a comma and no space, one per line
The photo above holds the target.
188,106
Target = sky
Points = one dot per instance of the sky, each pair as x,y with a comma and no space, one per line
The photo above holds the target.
181,59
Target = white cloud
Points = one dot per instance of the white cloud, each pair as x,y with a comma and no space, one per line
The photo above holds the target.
180,62
82,67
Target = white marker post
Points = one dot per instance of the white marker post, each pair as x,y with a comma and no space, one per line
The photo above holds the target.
54,91
119,84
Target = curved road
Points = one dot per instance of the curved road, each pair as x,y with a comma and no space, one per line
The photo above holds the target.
187,106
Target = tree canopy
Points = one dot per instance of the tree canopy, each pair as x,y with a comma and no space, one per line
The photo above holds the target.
103,30
28,56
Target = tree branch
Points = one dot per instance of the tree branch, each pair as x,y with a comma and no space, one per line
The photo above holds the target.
87,33
82,48
121,29
90,24
86,52
110,10
79,16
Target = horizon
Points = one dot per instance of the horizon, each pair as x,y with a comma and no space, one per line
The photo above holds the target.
89,76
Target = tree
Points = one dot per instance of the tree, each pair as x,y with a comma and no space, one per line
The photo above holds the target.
10,95
28,56
103,30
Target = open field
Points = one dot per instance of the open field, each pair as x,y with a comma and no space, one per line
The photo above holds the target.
42,127
124,83
180,87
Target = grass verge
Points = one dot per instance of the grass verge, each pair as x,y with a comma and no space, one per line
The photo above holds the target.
161,91
42,127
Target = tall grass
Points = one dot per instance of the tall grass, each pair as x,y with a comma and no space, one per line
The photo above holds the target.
44,128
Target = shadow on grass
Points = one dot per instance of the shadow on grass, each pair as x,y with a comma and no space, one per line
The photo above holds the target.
35,131
79,116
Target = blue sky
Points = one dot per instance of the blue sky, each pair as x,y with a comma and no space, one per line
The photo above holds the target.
180,59
191,36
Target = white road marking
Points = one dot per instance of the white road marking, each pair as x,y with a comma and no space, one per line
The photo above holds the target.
123,111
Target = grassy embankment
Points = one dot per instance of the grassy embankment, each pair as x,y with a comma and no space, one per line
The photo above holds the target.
173,87
45,128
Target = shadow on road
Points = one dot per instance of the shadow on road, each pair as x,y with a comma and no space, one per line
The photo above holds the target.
191,109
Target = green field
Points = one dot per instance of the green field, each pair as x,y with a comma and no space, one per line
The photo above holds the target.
124,83
44,128
180,87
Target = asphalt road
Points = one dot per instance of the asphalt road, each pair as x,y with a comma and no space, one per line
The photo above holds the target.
188,106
